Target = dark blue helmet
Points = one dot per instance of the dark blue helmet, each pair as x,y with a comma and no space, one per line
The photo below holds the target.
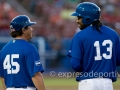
20,22
89,12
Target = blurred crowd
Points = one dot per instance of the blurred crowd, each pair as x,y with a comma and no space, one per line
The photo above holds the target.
6,14
53,17
51,21
54,22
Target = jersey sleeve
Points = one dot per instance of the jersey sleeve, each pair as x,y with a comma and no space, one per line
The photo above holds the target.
76,49
33,63
1,66
118,53
76,64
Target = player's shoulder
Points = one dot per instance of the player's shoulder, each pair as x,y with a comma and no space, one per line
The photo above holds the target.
78,36
29,45
109,30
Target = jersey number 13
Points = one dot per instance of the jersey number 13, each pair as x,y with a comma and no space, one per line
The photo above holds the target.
9,63
104,55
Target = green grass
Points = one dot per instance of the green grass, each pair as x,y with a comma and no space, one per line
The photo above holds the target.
60,81
117,83
0,83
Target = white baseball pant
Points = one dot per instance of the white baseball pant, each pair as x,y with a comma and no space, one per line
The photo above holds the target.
96,84
28,88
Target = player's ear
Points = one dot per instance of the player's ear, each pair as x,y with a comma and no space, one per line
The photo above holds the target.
23,30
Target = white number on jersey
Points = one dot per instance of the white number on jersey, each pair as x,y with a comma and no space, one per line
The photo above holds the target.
109,49
9,62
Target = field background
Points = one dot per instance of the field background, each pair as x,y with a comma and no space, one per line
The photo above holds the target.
56,83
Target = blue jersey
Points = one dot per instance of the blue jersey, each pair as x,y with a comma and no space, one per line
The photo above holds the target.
0,68
96,53
19,63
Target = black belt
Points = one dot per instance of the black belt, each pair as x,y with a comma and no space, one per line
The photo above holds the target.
21,87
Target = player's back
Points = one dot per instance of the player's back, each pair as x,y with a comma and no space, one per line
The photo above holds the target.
99,50
14,67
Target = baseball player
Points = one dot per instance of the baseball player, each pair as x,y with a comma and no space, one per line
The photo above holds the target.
94,50
20,62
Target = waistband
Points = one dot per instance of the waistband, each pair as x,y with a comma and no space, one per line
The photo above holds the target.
22,87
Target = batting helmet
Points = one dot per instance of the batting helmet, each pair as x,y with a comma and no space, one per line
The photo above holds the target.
20,22
89,12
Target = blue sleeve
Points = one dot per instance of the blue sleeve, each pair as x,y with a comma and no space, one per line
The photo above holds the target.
33,63
76,49
76,64
0,67
118,54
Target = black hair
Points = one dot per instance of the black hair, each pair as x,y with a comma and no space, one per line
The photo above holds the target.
17,33
97,25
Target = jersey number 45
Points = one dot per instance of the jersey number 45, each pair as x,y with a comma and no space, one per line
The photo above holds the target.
9,63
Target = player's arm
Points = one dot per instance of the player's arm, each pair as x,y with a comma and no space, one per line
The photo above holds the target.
118,53
76,64
76,53
3,83
38,81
